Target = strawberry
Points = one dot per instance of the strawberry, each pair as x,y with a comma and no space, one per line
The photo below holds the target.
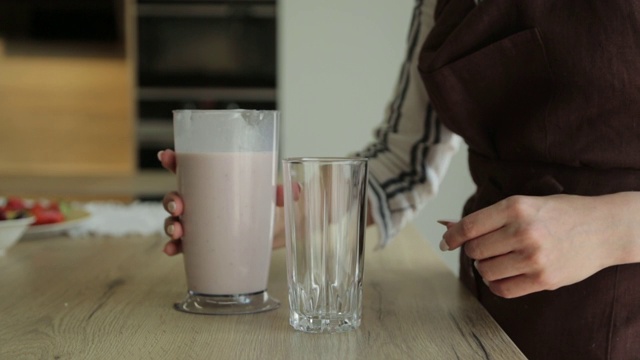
44,212
47,216
15,203
37,207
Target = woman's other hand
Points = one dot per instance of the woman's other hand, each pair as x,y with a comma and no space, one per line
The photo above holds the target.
525,244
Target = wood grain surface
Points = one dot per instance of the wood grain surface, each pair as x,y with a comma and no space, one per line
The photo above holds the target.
111,298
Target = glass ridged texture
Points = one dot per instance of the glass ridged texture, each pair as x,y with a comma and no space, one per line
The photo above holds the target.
325,219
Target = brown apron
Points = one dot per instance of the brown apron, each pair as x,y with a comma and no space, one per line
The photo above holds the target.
546,94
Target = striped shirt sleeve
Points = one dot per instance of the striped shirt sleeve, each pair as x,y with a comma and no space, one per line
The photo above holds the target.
412,149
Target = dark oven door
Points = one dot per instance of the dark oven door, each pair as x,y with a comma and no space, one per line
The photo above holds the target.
201,55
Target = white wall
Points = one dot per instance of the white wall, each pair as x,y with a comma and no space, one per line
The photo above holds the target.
338,63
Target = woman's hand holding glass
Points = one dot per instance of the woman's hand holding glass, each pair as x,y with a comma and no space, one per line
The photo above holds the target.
174,205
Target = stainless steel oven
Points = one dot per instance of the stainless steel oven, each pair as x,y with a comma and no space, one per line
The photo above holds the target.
201,55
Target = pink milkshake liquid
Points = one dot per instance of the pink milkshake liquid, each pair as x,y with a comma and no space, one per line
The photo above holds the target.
227,161
229,200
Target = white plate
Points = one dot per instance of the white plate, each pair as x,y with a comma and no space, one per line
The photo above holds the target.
74,218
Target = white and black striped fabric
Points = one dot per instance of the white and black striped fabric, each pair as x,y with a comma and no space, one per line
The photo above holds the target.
412,149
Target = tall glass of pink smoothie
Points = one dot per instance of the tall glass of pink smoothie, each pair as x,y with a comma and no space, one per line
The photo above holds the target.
227,169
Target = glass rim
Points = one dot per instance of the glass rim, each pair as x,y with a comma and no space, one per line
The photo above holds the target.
324,160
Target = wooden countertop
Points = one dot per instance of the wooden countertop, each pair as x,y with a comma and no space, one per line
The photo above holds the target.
111,298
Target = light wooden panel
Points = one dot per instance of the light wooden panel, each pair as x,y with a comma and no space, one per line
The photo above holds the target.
65,115
144,184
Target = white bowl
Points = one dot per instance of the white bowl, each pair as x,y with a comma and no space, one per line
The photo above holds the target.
12,230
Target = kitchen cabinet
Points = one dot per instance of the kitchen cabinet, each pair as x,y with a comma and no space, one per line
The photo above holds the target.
66,106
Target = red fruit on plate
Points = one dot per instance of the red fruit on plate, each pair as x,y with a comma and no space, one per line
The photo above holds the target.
37,207
45,212
14,203
46,216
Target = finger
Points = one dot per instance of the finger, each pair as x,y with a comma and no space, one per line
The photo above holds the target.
499,242
173,228
474,225
173,247
278,242
168,159
296,189
447,223
501,267
172,202
279,195
515,286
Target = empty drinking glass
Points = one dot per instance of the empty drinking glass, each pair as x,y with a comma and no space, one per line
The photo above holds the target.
325,219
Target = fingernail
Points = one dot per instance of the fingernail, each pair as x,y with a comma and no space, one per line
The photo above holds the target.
475,264
171,206
443,245
160,155
170,229
447,223
485,282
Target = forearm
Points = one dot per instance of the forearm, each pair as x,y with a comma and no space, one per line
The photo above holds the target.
619,227
408,142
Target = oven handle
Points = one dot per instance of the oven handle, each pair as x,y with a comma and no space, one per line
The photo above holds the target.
219,11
